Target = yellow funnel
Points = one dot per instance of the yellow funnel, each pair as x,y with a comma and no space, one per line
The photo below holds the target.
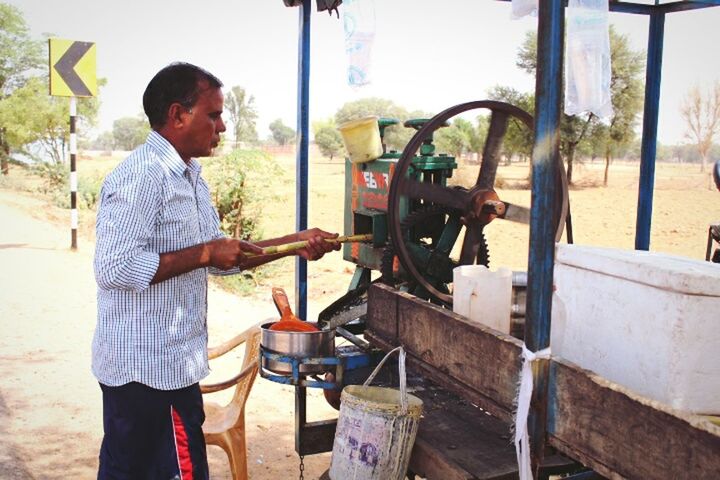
362,139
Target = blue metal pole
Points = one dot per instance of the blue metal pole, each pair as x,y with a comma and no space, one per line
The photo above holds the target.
301,162
649,131
546,161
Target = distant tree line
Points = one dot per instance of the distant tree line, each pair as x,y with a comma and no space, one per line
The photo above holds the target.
36,125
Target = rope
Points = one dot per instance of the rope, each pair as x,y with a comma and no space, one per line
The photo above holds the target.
522,441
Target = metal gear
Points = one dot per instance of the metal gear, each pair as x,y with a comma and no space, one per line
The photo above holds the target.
423,227
351,306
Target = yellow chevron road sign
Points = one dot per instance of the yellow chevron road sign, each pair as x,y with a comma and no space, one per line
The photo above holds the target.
72,68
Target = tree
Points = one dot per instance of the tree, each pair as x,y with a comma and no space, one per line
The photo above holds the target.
455,139
104,141
31,116
329,142
701,112
239,183
626,93
281,133
129,132
243,115
327,138
19,58
625,80
518,140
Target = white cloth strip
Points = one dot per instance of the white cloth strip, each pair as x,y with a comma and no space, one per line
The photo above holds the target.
73,181
73,143
522,441
73,218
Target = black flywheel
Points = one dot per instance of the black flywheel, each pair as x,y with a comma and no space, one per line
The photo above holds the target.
471,207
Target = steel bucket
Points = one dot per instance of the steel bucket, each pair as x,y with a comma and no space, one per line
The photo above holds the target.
296,345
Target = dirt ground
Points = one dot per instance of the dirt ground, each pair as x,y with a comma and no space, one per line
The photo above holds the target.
50,405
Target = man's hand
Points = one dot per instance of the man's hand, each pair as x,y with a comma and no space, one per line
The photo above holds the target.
226,253
317,246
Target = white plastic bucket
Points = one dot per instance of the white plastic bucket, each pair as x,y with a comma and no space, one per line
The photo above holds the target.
362,139
376,430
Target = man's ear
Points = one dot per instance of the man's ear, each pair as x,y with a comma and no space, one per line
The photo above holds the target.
176,115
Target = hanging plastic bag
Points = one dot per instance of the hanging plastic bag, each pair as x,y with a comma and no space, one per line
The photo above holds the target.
521,8
359,25
587,65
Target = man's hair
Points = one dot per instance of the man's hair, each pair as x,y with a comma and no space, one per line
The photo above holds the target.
180,83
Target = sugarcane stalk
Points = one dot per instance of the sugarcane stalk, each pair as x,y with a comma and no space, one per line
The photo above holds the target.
291,247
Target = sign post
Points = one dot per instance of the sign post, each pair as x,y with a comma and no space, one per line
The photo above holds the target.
72,74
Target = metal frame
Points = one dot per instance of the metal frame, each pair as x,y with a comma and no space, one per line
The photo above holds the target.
550,12
546,154
303,145
316,436
348,359
551,31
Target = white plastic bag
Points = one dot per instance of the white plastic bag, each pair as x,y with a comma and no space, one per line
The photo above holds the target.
587,65
521,8
359,25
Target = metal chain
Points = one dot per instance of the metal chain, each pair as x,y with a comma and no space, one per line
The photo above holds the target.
302,467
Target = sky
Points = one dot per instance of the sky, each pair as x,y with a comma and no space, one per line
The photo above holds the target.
427,54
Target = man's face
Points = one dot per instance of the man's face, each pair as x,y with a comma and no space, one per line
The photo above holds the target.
204,123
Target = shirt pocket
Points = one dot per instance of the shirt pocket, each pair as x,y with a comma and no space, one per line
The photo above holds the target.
178,227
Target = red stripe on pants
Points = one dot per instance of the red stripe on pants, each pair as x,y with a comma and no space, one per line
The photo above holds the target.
182,446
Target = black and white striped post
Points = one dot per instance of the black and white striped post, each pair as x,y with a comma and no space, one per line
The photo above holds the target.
73,175
72,74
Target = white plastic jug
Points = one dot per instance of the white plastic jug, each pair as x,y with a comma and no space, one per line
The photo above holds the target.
483,295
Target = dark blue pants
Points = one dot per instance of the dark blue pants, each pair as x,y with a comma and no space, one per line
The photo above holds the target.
152,434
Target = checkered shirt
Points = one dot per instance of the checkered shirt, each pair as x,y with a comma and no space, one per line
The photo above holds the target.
151,203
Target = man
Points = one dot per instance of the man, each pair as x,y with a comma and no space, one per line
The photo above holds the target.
157,238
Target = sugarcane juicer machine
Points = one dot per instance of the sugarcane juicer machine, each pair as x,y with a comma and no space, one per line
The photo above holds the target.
367,189
417,220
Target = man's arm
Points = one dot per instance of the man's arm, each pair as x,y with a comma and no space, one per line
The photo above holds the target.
126,221
317,247
222,253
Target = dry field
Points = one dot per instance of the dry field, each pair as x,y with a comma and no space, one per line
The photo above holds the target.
50,408
684,206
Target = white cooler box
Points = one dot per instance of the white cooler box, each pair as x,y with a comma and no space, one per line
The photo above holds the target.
648,321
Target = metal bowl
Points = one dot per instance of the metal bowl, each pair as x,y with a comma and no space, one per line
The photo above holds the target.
297,345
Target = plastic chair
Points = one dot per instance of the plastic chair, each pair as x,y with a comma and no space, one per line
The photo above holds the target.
225,425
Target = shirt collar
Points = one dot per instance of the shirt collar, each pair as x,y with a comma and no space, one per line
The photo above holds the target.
169,156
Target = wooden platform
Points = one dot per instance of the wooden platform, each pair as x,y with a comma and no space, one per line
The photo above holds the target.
608,428
463,434
458,440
